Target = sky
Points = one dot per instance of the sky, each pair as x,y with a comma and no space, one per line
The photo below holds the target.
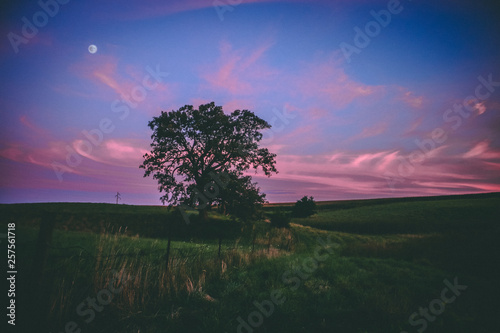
367,99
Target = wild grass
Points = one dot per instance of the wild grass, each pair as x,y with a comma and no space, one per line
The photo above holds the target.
391,259
80,265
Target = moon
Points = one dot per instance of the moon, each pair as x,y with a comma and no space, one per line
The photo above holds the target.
92,49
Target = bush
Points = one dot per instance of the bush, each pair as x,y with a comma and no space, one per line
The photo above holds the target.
280,219
304,207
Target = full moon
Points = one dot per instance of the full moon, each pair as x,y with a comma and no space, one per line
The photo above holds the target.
92,49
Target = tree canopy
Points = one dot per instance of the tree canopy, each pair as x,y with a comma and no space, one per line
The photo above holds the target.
198,155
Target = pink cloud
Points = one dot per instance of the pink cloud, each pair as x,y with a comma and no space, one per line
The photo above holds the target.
327,88
414,125
114,164
110,82
13,152
34,129
363,163
317,112
482,150
300,136
105,71
328,81
101,70
238,73
480,108
476,186
21,152
477,150
371,131
340,174
126,153
367,174
409,98
107,74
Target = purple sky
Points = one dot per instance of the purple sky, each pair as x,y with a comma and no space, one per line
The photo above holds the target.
367,98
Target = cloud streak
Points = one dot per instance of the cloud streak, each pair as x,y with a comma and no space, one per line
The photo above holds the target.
239,73
364,174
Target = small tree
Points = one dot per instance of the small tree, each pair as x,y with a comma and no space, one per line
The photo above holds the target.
304,207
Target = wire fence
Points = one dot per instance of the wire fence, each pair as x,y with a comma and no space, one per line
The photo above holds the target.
60,256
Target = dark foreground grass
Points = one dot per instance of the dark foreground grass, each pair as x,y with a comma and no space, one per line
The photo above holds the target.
370,279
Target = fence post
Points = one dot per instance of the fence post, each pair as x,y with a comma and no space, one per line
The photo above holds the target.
220,244
269,243
253,241
38,310
168,245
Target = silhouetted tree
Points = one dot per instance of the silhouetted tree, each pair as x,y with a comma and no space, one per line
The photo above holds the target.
304,207
192,150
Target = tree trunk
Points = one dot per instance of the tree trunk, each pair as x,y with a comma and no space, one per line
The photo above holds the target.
39,303
269,243
220,244
254,236
253,241
203,214
167,259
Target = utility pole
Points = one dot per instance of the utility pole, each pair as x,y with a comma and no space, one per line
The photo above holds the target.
118,197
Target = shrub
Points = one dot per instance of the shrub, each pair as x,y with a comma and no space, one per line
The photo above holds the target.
304,207
280,219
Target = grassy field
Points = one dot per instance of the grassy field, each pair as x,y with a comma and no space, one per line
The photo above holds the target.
355,266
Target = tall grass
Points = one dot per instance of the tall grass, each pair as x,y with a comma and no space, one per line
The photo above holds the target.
393,258
80,265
